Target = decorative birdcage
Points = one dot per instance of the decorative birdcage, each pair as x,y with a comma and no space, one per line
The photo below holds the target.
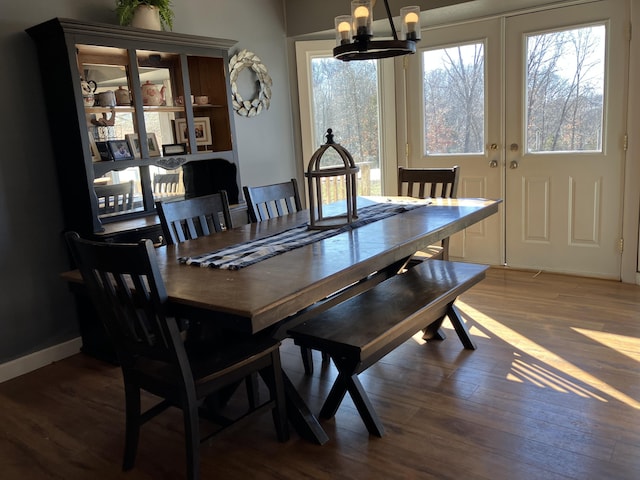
317,173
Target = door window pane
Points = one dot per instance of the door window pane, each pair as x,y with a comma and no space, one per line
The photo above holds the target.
453,83
565,90
345,99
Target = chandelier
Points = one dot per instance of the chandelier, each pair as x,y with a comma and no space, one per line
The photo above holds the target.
354,35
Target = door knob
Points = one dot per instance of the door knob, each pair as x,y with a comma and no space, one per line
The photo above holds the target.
493,163
513,165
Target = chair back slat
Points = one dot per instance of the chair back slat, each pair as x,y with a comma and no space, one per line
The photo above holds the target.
428,182
270,201
188,219
124,283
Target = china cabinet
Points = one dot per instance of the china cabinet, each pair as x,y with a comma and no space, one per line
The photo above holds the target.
128,106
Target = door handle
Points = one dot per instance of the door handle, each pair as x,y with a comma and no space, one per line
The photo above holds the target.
493,163
513,165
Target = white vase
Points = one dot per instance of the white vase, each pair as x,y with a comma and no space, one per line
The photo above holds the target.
146,16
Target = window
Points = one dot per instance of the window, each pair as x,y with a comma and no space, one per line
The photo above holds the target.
453,82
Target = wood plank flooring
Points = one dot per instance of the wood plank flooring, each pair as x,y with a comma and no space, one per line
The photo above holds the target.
553,392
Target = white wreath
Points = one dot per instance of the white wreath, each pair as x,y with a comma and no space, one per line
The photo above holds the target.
240,61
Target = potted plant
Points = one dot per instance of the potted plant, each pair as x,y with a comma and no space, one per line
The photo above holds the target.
128,11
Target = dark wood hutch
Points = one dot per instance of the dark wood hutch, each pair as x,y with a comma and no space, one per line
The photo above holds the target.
156,77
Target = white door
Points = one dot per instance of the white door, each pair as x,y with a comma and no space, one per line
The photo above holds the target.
566,91
454,85
553,121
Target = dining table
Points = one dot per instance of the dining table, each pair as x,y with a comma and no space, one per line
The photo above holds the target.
287,287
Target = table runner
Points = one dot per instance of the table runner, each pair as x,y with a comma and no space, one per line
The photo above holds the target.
242,255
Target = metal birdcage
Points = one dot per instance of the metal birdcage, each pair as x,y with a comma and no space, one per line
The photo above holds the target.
317,174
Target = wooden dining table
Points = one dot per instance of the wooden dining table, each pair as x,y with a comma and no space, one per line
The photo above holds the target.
286,289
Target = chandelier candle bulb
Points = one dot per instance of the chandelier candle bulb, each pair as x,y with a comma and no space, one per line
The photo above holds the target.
343,29
363,46
361,12
410,23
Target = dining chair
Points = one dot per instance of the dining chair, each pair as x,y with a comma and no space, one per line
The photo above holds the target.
125,286
114,198
429,183
194,217
270,201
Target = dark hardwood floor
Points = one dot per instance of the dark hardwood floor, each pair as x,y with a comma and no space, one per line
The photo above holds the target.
553,392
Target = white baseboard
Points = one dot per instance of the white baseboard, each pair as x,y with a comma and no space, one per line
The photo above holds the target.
35,360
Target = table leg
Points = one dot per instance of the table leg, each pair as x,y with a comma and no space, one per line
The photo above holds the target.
305,423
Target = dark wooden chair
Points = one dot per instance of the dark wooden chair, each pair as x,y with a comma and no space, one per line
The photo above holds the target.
429,183
166,184
124,283
188,219
114,198
270,201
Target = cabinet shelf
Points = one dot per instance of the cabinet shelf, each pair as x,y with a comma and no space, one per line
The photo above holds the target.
131,109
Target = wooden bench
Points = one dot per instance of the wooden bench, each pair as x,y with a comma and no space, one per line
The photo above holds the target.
363,329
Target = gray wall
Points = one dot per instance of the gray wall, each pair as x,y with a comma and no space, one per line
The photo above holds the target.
36,310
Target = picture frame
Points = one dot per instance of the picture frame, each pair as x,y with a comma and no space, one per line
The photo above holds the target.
120,150
202,127
103,151
152,144
95,154
174,149
134,142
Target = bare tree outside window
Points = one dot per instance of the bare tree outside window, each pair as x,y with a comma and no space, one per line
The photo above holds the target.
453,82
565,90
345,99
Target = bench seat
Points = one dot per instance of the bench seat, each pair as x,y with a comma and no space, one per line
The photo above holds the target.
363,329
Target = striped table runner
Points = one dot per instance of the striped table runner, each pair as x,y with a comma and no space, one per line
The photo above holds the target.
242,255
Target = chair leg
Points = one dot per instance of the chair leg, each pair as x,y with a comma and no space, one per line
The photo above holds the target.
192,437
307,360
132,429
253,391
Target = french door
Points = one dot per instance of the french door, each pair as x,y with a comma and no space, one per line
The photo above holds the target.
532,108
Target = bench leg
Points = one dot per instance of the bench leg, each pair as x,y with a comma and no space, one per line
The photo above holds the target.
307,360
350,382
434,331
461,329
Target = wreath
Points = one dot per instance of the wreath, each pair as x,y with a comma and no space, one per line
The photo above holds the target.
249,108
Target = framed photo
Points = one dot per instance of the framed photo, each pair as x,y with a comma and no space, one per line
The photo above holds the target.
174,149
95,154
134,143
103,151
152,144
202,128
120,150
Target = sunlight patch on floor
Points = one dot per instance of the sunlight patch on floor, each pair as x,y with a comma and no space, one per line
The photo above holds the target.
541,376
624,345
450,331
